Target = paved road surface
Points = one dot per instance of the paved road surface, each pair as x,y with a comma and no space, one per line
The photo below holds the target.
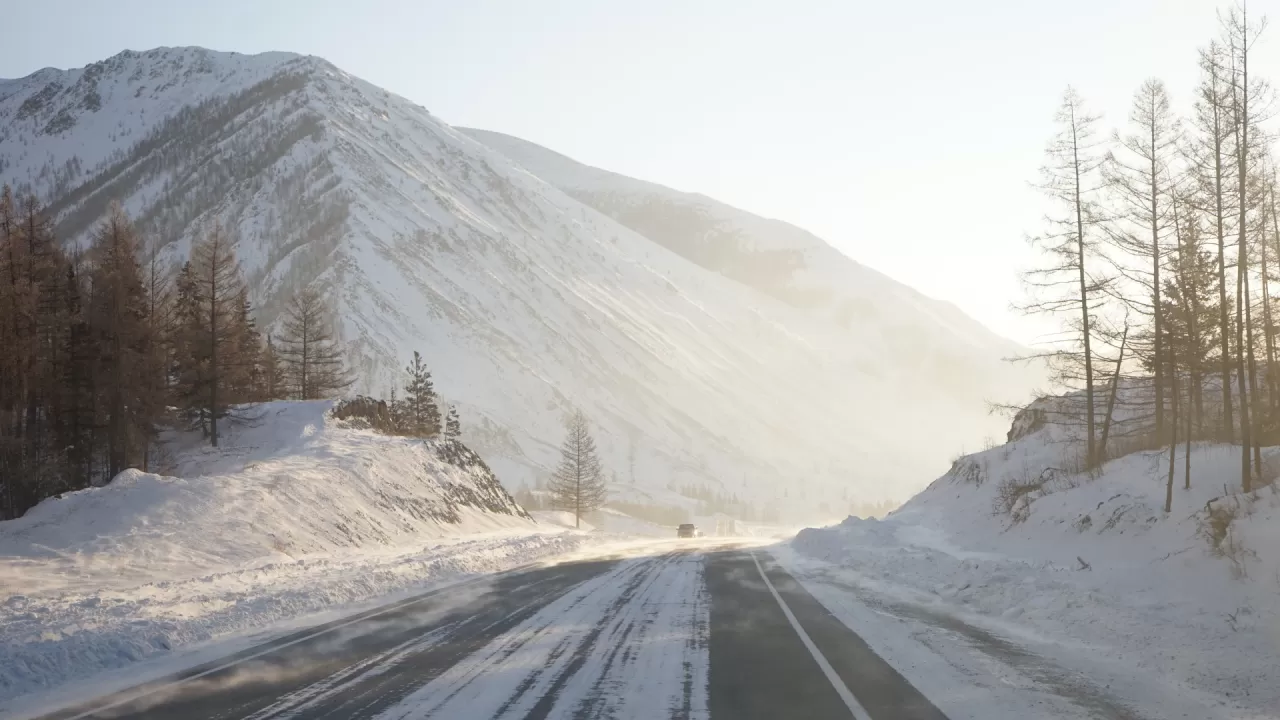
692,634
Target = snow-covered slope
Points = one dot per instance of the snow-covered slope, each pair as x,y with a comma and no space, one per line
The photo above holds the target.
1086,581
289,482
294,514
524,301
774,257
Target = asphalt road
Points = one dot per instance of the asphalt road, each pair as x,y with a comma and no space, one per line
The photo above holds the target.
694,634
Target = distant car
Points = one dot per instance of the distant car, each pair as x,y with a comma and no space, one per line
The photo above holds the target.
686,530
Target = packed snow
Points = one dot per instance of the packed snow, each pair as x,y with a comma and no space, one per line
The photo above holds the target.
292,515
1089,600
628,643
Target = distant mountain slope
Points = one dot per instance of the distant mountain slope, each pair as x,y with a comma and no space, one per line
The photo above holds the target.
524,301
772,256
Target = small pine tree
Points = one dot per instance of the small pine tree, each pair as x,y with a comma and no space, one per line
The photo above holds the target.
420,414
452,426
578,483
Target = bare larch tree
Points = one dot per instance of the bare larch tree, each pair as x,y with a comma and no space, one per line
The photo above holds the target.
311,357
1066,285
578,484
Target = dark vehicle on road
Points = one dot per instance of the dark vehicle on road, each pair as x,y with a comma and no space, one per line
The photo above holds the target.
686,530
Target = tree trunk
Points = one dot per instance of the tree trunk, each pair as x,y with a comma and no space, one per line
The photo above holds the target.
1228,412
1246,473
1173,442
1253,376
1111,397
1273,373
1091,453
1156,310
213,351
1241,102
1268,333
1186,458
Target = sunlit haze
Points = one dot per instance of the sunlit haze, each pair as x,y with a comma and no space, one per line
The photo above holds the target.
578,359
905,134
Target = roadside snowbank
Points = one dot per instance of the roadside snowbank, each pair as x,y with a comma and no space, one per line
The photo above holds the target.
294,514
1092,573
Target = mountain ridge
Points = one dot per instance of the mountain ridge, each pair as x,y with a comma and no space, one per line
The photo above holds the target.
762,233
526,301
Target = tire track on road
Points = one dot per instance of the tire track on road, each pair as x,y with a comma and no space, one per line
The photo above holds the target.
617,646
517,662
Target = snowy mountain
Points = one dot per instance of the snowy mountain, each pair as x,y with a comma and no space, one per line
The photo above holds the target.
772,256
527,294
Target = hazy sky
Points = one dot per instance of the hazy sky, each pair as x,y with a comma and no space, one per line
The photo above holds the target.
903,133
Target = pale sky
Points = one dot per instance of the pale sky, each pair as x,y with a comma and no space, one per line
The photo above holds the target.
905,134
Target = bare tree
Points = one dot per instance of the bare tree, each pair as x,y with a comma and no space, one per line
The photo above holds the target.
1209,152
273,385
1249,101
578,484
1273,372
215,293
1173,441
1142,180
119,315
1065,285
311,357
1113,392
160,327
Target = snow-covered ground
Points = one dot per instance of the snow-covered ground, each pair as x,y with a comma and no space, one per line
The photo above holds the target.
292,516
1096,603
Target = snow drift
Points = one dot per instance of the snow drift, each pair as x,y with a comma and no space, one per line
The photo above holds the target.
293,514
1166,610
287,483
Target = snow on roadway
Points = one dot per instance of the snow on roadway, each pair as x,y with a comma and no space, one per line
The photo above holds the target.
630,643
55,652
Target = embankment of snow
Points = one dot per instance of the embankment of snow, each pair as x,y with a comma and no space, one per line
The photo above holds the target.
287,481
293,514
1092,567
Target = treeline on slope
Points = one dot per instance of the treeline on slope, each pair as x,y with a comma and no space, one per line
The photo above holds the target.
1158,260
99,349
711,502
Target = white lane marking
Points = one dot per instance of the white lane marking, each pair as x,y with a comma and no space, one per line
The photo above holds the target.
429,595
855,708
